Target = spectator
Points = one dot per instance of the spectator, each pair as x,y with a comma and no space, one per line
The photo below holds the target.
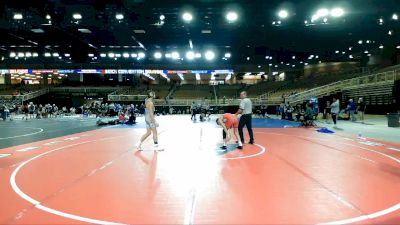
335,109
351,108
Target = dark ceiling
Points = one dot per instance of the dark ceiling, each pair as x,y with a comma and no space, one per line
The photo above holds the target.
253,35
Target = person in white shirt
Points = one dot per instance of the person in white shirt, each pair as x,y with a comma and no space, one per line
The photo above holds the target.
335,108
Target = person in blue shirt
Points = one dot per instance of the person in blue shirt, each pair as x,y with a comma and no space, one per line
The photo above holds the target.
351,108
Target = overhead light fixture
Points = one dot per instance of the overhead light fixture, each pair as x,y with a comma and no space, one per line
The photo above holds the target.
157,55
162,17
140,31
133,55
283,14
322,12
38,30
141,55
360,42
368,41
337,12
47,54
35,54
77,16
190,55
187,17
119,16
13,54
294,57
398,47
90,55
306,64
20,54
111,55
390,32
380,20
125,55
117,55
325,20
231,16
351,56
227,55
18,16
248,58
84,30
381,46
28,54
366,51
305,21
175,55
198,55
395,17
168,55
48,17
209,55
103,55
314,18
337,52
55,54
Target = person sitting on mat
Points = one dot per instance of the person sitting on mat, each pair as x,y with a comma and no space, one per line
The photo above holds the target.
229,121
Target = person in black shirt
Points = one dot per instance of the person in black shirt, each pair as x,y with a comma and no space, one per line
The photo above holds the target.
361,109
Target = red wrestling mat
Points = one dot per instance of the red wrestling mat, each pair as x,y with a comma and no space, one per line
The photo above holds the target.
292,176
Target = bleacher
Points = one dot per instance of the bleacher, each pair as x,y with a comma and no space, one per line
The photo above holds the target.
229,91
190,91
373,94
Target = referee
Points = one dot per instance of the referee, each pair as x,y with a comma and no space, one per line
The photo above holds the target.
245,108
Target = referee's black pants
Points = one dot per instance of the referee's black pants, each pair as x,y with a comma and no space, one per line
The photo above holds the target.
245,120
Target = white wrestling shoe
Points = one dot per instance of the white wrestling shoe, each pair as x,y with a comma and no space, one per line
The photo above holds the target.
139,147
158,148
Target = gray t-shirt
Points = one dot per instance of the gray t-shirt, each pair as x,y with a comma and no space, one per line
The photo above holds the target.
246,106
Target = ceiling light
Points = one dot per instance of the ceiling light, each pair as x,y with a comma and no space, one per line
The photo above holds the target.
35,54
368,41
38,30
18,16
337,12
398,47
190,55
157,55
227,55
117,55
162,17
259,66
351,56
305,22
187,17
294,57
366,52
209,55
125,55
48,17
84,30
283,14
13,54
28,54
380,21
390,32
119,16
381,46
141,55
231,16
111,55
47,54
248,58
77,16
198,55
21,54
360,42
168,55
55,54
90,55
325,20
175,55
395,17
103,55
133,55
67,55
322,12
337,52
